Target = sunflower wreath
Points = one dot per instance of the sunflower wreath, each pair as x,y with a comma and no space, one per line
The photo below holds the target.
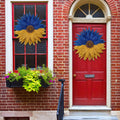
29,29
89,44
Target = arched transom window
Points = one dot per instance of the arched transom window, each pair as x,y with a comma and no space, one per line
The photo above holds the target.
89,11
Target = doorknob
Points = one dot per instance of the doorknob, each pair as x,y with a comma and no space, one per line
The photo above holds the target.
74,75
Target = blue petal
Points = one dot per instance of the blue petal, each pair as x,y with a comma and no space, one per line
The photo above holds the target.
29,19
86,35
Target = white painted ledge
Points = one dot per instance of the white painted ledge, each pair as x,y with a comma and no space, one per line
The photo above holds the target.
90,118
86,108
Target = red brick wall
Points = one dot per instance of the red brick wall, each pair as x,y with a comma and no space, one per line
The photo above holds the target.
115,54
47,99
2,54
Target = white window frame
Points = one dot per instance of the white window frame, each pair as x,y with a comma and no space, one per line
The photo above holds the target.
9,43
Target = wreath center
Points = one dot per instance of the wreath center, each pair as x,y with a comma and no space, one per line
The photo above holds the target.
30,28
89,44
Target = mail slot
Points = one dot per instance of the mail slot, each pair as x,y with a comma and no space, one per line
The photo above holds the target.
89,75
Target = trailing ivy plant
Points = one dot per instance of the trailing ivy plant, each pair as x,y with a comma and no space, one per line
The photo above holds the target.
12,76
47,75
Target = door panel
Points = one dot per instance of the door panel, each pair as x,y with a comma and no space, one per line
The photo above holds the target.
89,91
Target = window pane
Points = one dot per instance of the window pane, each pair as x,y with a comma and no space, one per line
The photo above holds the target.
23,118
15,23
41,47
99,14
30,9
18,11
19,48
30,48
44,23
78,13
19,61
41,11
85,8
41,59
16,118
30,61
11,118
93,8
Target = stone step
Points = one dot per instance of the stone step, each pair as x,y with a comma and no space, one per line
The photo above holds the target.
89,111
90,118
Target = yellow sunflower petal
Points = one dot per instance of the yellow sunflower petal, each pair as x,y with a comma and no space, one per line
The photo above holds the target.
86,55
31,38
92,52
89,53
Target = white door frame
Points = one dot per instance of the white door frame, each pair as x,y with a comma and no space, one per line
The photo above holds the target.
103,5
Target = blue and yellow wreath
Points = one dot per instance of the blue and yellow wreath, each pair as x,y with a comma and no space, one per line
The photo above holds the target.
89,44
29,29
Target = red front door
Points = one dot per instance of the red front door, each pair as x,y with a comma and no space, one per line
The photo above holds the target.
89,77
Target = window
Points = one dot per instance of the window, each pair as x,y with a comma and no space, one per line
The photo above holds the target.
89,11
16,118
29,55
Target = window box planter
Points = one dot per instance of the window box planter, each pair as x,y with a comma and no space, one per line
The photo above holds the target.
43,83
31,80
19,83
14,84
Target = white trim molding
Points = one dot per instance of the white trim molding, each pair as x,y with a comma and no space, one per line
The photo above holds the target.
107,19
8,21
100,3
